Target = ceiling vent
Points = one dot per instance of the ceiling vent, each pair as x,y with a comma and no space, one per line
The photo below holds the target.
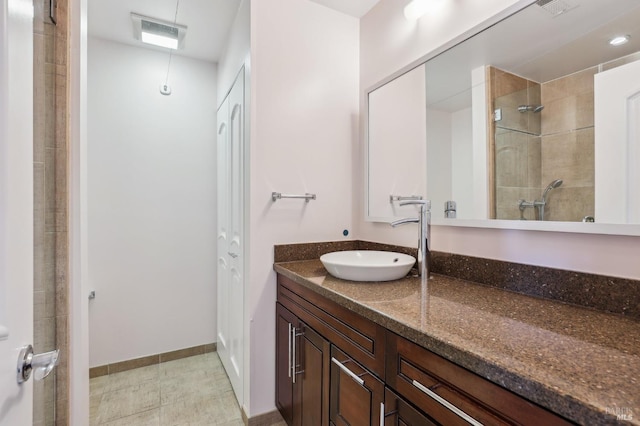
556,7
157,32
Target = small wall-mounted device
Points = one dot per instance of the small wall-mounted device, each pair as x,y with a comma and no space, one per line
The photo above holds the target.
165,89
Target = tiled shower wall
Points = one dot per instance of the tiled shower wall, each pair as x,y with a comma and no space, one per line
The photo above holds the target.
50,405
568,145
516,142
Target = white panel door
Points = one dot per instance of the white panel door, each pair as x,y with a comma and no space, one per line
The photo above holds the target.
236,221
16,205
223,232
231,234
617,139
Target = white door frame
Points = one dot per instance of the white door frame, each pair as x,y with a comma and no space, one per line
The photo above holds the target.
78,285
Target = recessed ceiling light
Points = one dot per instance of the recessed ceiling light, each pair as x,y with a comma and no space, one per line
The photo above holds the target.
157,32
416,8
619,40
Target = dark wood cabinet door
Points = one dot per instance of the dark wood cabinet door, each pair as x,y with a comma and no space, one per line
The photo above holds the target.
285,321
398,412
311,399
355,394
361,338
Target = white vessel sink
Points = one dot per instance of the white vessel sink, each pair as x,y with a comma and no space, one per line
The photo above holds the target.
367,265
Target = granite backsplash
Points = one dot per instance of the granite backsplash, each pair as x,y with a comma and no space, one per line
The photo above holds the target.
604,293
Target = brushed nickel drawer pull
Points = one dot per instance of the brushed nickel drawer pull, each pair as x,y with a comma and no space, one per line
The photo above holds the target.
294,364
447,404
289,347
349,372
293,358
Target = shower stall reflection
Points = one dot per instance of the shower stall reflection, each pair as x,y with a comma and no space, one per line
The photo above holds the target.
542,130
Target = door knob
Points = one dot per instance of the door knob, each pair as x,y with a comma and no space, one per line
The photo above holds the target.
42,363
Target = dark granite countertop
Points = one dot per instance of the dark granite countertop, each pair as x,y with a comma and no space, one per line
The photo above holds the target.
581,363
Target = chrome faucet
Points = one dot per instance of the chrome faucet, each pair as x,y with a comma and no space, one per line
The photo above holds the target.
424,220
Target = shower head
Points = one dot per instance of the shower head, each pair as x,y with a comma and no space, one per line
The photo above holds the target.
553,185
530,108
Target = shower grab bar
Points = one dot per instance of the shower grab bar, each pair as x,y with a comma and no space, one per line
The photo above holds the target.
278,195
393,198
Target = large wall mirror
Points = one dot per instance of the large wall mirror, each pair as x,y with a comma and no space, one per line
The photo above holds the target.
533,123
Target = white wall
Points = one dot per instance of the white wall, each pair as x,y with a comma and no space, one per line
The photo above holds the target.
236,51
304,130
461,164
439,163
151,201
388,42
397,148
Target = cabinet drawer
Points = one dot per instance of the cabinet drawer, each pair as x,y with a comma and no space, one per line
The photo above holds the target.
398,412
356,395
358,337
417,374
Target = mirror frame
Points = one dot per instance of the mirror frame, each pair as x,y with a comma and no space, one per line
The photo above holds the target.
549,226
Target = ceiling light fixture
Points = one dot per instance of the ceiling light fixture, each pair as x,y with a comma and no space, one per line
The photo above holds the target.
417,8
619,40
157,32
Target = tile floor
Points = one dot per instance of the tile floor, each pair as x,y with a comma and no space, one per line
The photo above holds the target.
187,392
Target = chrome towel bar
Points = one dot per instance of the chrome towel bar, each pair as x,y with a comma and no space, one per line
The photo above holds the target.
278,195
393,198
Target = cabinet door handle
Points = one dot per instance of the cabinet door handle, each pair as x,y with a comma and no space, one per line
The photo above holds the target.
293,358
293,354
446,403
289,347
294,365
294,334
349,372
382,414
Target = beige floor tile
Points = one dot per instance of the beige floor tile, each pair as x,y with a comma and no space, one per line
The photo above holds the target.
192,391
94,403
133,377
178,388
98,385
202,364
228,409
93,419
192,411
128,401
239,422
147,418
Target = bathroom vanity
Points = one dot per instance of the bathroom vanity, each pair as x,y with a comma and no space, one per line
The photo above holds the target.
456,352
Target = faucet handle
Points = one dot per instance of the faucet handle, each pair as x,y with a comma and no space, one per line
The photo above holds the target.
404,221
425,203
